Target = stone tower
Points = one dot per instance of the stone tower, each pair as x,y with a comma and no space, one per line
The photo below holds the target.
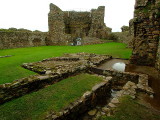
56,26
97,23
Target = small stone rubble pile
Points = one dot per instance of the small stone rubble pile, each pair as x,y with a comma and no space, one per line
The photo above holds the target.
6,56
143,84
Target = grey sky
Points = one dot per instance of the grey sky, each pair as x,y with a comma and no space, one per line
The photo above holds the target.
33,14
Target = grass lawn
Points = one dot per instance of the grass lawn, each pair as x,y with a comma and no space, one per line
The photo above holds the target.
10,67
53,98
129,109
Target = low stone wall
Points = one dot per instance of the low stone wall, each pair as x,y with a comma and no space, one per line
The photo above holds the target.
119,78
26,85
6,56
54,70
99,93
21,39
66,67
158,57
124,37
92,40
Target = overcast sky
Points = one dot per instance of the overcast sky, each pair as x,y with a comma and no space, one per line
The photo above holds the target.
33,14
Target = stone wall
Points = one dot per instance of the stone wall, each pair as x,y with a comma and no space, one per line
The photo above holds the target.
124,37
53,70
16,39
125,28
92,40
29,84
77,23
56,25
98,28
158,57
119,78
66,26
99,94
146,32
131,27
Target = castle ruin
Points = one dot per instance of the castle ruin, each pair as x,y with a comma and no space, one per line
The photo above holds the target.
66,26
146,22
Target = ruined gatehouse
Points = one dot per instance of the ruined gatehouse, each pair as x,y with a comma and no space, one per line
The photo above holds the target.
66,26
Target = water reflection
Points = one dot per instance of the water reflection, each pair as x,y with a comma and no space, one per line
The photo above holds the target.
114,64
119,66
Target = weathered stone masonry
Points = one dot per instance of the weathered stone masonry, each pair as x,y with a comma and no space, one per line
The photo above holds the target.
18,39
158,57
146,33
66,26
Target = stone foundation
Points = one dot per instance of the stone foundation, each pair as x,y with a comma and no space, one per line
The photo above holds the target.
26,85
58,69
67,63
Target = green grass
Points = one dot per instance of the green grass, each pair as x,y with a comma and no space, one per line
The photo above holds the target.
129,109
10,67
53,98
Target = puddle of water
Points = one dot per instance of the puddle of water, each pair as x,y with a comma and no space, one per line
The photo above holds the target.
119,66
114,64
113,93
